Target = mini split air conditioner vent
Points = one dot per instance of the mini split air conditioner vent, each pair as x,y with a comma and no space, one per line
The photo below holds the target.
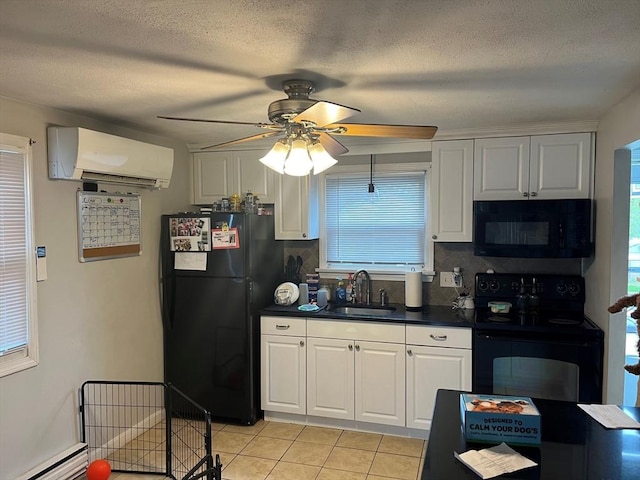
81,154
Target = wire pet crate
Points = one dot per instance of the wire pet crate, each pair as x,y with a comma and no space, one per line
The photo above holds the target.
147,427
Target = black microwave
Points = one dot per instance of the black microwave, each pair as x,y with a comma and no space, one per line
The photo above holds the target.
532,228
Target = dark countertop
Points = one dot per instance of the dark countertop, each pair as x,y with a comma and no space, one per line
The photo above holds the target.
574,446
430,315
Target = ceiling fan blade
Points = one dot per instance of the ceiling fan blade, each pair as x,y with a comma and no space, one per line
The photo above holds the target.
378,130
331,145
259,125
245,139
321,113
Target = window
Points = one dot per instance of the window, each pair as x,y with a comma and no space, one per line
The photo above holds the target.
18,335
384,231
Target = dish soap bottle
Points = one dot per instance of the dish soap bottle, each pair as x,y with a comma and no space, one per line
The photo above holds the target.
349,289
341,292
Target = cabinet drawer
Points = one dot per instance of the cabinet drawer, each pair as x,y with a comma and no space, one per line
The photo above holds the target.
367,331
439,336
289,326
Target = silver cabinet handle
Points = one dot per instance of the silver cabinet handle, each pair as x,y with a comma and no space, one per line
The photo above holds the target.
534,194
435,237
350,347
409,352
525,194
439,338
302,343
282,327
357,348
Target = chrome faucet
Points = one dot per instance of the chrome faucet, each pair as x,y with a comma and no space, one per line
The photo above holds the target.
367,291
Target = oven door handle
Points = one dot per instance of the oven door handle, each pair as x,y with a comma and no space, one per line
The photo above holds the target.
534,338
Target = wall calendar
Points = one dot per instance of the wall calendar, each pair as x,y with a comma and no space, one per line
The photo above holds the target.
109,225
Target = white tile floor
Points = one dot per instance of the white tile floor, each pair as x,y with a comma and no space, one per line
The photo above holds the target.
283,451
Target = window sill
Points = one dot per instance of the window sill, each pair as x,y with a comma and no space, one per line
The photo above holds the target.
9,366
375,274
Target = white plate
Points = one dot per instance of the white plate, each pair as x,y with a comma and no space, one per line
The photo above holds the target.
279,295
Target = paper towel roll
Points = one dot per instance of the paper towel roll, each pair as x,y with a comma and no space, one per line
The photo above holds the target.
413,290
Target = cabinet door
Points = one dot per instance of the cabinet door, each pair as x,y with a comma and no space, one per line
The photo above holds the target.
212,173
283,374
501,168
330,378
380,383
452,191
252,176
431,368
561,166
296,208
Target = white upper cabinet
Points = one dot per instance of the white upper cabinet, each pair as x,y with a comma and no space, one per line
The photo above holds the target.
221,174
561,166
296,207
451,191
537,167
501,168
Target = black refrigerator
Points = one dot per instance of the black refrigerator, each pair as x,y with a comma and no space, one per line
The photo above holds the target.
218,271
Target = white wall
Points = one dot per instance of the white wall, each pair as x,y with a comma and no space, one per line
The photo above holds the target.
616,129
96,321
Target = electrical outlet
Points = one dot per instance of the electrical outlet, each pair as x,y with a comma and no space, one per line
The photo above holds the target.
446,279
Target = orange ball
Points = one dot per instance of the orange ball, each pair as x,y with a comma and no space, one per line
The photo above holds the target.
98,470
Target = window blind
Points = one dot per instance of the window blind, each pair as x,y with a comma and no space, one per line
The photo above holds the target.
383,228
13,253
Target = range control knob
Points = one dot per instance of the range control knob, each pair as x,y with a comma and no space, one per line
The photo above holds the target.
494,286
483,285
574,288
561,288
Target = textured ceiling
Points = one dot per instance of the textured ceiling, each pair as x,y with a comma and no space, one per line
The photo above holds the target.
457,64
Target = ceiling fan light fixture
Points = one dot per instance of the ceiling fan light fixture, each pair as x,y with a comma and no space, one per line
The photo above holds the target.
298,162
276,157
320,158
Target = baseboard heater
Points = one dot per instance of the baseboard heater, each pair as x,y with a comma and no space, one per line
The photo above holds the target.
65,466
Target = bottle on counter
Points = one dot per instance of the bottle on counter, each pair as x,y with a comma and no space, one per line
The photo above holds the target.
322,297
341,292
349,298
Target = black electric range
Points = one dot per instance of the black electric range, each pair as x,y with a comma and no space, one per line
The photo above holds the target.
557,310
544,347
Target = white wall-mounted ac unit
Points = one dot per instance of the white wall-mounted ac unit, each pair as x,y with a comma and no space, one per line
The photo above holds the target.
80,154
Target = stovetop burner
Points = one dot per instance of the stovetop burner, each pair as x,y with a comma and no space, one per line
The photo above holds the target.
498,319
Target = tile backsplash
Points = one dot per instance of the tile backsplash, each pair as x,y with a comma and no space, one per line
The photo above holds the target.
447,256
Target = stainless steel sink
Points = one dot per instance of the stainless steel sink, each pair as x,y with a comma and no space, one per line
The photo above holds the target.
363,310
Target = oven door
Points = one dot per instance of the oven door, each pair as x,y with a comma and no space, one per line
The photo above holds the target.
521,364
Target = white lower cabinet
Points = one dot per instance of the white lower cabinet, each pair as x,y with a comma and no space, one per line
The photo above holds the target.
438,357
330,378
283,364
361,371
380,383
352,376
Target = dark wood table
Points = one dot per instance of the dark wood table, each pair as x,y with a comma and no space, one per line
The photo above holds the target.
574,446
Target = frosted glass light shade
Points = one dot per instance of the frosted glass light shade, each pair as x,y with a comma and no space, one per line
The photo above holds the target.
298,163
321,158
276,157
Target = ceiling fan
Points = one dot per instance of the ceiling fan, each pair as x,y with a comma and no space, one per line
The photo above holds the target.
307,127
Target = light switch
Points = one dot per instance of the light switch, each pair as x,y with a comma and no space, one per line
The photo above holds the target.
41,263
